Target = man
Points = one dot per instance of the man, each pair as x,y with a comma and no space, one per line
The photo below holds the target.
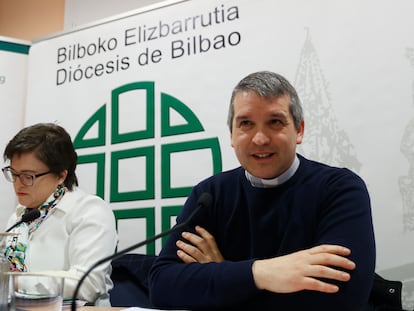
282,232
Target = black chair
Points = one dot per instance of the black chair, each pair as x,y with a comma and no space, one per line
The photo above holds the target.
129,275
385,295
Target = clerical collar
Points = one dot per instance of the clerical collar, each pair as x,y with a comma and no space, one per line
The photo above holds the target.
274,182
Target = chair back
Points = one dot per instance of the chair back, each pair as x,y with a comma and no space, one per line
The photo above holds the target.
129,275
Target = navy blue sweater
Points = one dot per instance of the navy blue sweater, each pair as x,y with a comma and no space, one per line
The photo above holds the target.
319,204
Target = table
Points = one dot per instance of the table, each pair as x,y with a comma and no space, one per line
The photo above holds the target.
90,308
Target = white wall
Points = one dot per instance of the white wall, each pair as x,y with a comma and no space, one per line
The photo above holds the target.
80,12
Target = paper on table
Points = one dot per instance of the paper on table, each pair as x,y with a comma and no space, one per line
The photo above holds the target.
139,308
67,303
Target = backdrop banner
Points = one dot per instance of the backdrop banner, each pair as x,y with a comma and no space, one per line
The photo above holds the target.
145,97
13,74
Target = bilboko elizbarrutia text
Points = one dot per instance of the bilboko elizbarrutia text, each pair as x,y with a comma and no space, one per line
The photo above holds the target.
146,33
137,36
178,48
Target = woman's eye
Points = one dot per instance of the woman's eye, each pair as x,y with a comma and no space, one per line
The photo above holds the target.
27,177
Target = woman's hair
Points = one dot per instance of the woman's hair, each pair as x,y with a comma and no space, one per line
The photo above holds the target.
268,85
51,144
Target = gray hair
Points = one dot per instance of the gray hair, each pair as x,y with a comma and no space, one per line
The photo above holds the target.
267,85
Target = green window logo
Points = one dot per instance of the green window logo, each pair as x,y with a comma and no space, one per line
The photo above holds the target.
156,138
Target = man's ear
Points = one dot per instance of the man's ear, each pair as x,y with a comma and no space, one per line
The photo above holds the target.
300,131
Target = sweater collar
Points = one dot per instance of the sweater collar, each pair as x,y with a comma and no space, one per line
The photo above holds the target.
274,182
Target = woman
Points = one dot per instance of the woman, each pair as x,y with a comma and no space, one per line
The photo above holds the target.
74,229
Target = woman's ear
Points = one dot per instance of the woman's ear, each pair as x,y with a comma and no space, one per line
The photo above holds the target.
62,176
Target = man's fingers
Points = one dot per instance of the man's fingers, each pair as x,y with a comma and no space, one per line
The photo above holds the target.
331,255
192,238
185,257
333,260
320,286
204,233
201,246
326,272
187,248
205,242
332,249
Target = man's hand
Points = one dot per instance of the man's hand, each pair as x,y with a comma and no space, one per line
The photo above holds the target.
203,247
303,270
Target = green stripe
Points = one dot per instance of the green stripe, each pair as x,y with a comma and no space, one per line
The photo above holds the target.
14,47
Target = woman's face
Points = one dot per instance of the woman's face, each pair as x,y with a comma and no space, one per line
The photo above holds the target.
43,186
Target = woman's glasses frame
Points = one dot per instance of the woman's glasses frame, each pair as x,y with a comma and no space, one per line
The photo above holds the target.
26,179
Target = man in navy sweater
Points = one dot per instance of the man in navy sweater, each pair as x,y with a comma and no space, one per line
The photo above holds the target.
282,232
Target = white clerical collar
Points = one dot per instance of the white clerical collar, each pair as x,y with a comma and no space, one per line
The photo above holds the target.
274,182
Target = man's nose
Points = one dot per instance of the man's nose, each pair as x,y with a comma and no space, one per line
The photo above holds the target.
261,138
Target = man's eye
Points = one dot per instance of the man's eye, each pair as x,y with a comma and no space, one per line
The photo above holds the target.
245,123
276,123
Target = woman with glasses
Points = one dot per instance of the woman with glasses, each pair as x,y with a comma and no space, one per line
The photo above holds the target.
74,230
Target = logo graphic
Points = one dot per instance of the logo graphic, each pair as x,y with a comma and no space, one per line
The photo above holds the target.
324,141
151,162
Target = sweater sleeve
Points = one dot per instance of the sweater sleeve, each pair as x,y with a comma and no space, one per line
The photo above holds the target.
346,219
174,284
195,286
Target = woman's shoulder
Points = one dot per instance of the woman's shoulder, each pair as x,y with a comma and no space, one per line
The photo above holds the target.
79,198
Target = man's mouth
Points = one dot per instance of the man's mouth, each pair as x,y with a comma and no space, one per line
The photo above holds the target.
263,155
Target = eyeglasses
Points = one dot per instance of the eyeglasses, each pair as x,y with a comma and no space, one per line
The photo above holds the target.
26,178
